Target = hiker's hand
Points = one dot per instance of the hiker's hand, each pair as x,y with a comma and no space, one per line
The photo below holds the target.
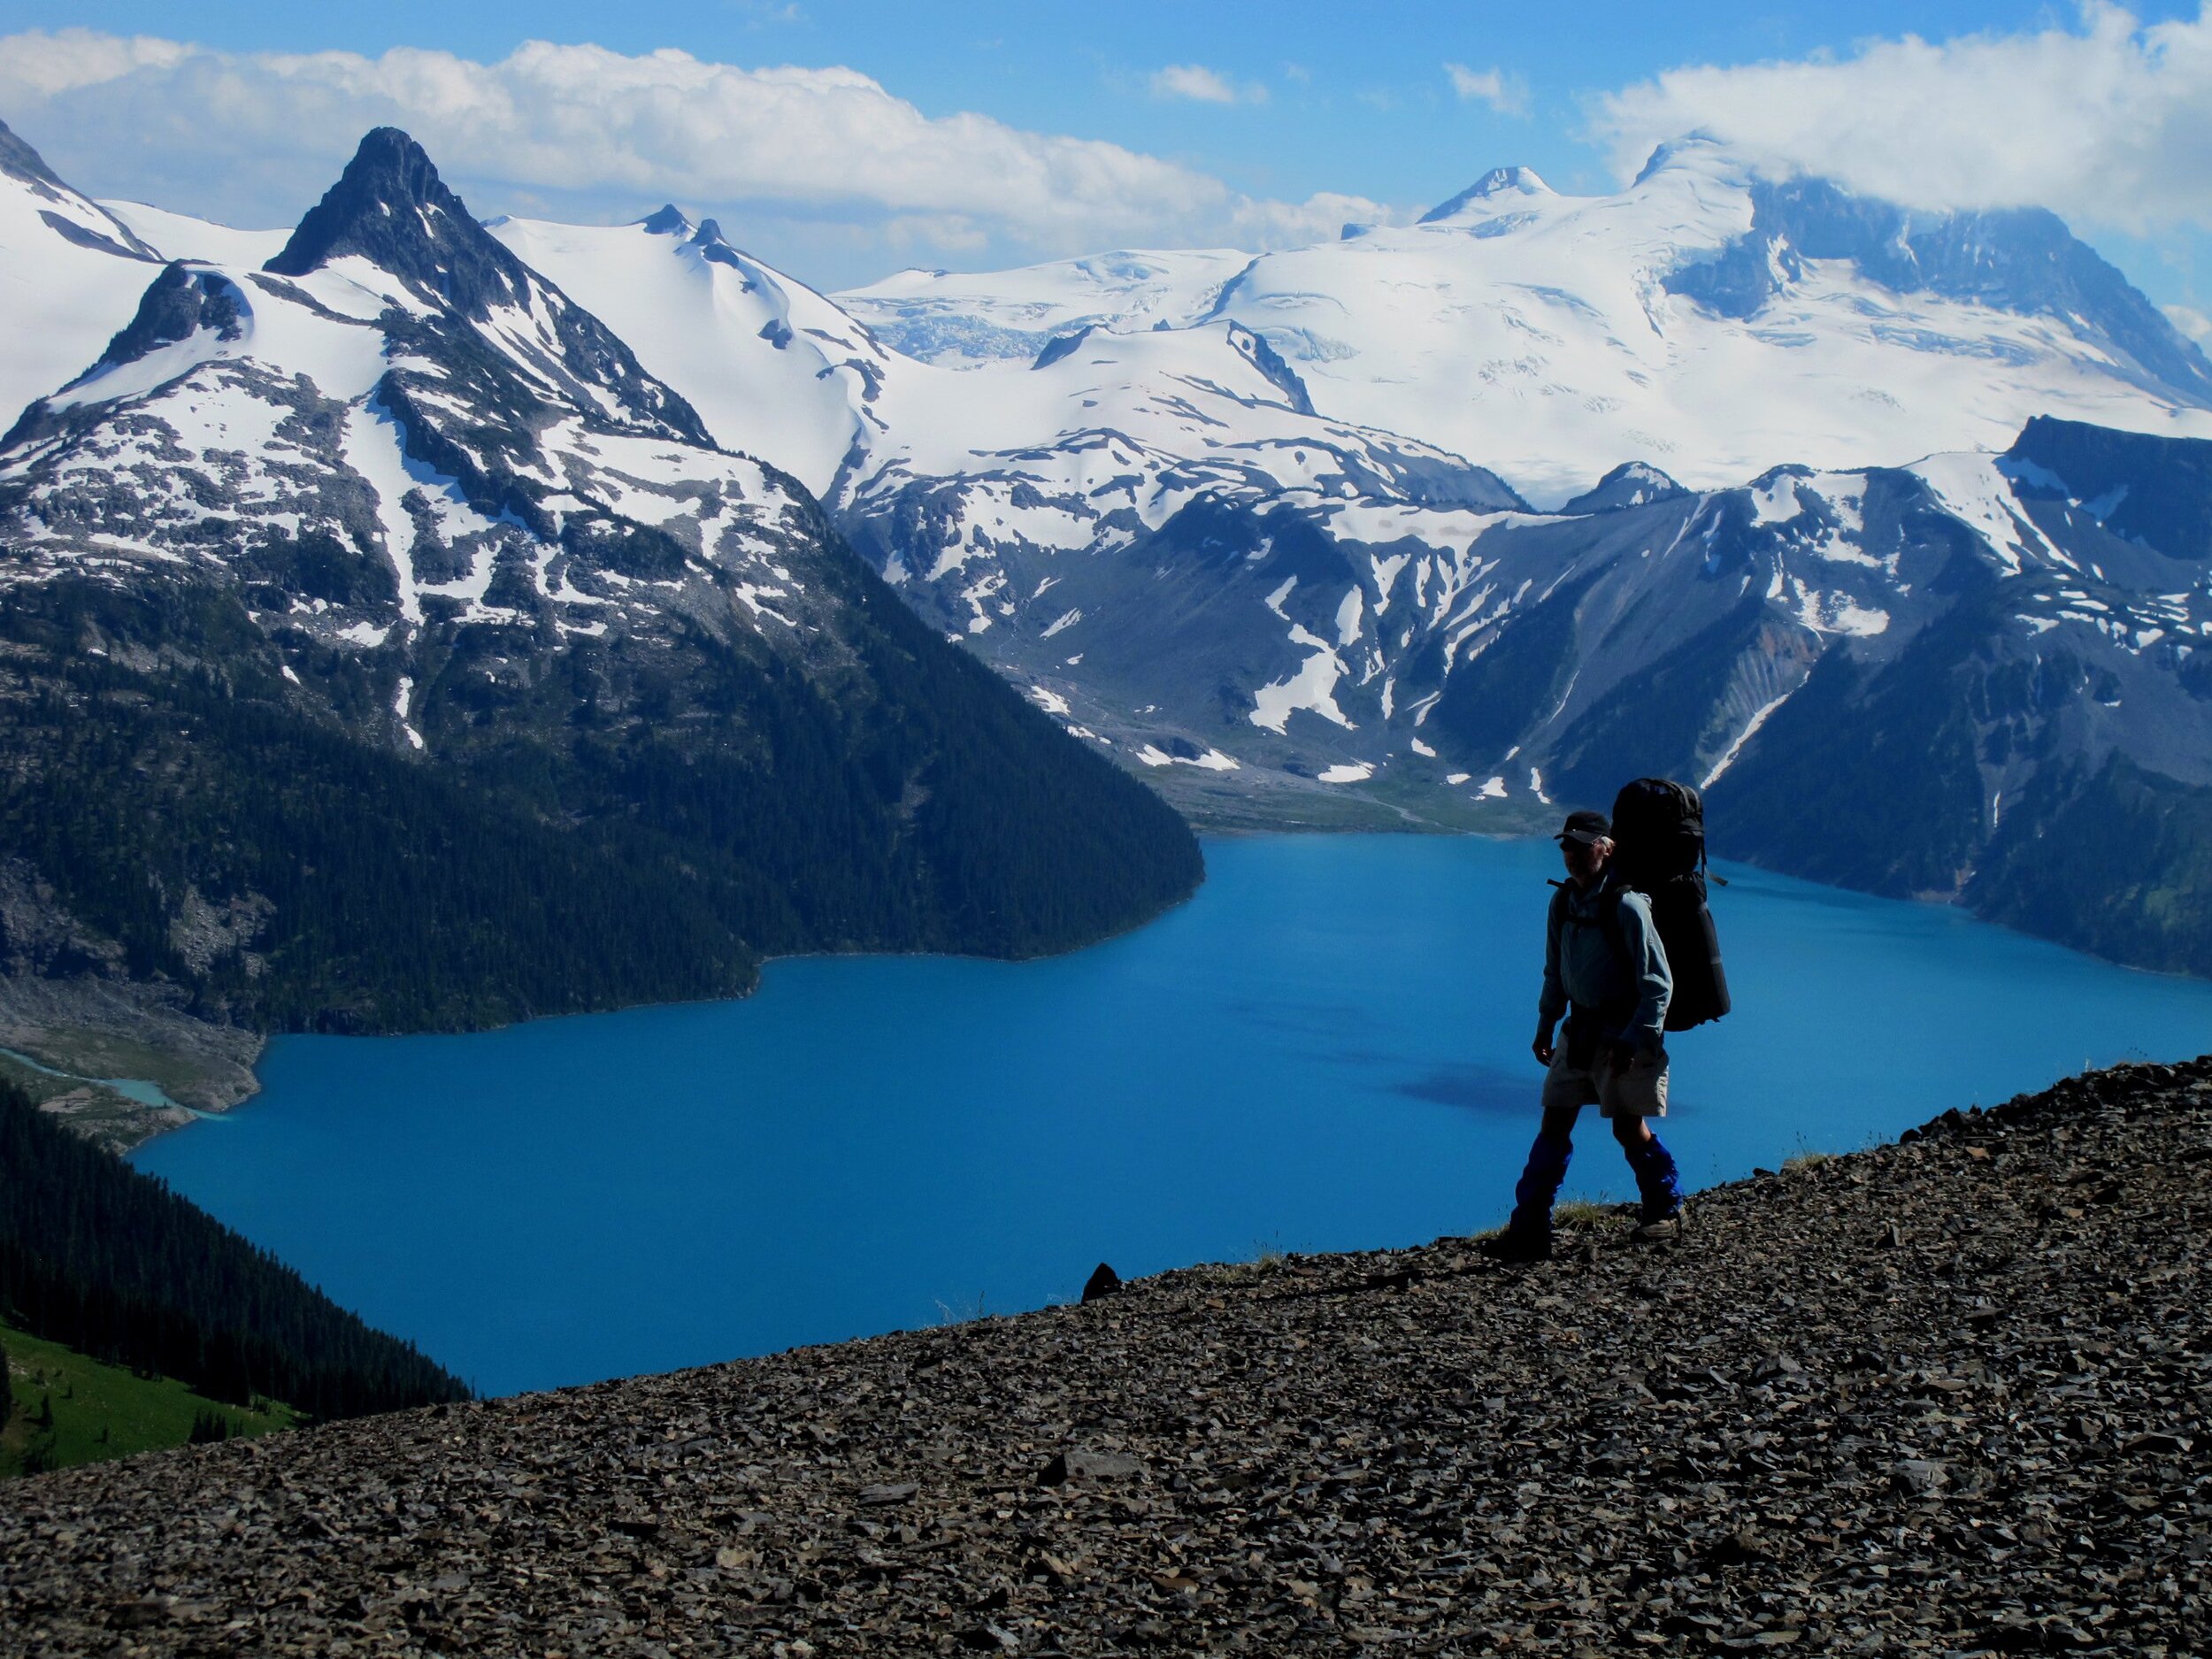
1620,1054
1542,1048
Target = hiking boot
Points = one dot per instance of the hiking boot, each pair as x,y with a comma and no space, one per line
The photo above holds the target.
1517,1244
1662,1229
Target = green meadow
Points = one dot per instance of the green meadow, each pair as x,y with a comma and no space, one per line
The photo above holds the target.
65,1409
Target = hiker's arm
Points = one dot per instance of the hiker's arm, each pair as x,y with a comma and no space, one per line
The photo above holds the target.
1654,980
1552,1002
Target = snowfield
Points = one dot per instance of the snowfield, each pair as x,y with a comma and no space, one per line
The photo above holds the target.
1534,333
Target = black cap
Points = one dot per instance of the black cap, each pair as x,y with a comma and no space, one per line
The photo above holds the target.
1585,827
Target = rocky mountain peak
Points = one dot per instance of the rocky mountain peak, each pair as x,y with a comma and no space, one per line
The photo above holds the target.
715,247
1630,484
392,209
179,303
2020,260
1254,349
669,220
2154,491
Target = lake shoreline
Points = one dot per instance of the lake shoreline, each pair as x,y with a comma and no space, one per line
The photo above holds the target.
186,1040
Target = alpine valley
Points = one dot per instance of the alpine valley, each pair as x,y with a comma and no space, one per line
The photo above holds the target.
411,622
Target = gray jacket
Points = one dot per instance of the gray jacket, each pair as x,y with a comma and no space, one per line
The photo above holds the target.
1626,989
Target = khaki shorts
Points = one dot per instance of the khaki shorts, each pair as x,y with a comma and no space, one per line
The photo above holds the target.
1638,1089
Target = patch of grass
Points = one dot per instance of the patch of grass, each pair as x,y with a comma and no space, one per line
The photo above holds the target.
1583,1212
98,1411
1266,1258
1806,1157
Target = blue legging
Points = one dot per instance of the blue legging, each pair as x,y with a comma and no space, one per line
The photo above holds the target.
1658,1183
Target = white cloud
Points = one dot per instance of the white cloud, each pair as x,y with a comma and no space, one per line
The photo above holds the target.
1203,85
1507,93
583,130
2191,322
50,64
2107,123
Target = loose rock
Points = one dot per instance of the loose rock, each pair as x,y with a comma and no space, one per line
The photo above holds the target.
1938,1398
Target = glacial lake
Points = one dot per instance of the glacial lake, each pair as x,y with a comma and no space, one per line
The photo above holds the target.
1326,1050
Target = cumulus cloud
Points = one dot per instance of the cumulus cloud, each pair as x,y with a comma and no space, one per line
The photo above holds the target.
1507,93
2108,122
256,136
2191,322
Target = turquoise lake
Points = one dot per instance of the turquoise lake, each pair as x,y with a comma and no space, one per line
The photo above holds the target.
1327,1048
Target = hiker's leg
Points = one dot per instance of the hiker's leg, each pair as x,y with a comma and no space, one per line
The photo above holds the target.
1658,1183
1546,1168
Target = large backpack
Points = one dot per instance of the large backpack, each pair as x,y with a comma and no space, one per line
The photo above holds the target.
1659,850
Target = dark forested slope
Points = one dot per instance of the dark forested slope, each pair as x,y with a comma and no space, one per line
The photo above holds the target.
111,1263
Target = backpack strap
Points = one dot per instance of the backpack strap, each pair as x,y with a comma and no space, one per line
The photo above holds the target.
1609,917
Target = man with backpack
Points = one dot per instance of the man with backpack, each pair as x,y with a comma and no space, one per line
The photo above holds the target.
1607,971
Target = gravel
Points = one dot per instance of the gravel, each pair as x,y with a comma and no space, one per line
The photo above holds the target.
1949,1397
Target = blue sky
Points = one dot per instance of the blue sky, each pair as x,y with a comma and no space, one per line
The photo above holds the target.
992,133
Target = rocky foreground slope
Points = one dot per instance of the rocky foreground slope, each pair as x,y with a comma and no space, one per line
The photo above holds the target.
1947,1396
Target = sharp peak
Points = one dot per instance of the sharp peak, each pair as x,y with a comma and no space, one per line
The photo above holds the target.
390,207
358,214
1497,181
389,159
666,221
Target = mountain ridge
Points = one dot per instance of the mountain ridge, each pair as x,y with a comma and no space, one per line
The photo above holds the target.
1895,1399
1278,615
1705,318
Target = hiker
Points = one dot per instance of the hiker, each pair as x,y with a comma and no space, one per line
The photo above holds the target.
1606,970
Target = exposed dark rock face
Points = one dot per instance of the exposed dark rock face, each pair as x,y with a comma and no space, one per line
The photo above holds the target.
180,302
390,208
2157,491
1943,1397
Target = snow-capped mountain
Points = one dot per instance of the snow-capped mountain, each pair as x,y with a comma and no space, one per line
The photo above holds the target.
396,390
957,322
991,486
773,368
394,490
70,274
1234,523
1704,319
